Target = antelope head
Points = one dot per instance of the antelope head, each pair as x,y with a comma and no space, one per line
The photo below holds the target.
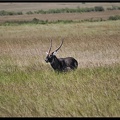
51,55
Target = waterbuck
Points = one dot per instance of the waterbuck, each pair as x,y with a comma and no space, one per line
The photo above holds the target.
60,64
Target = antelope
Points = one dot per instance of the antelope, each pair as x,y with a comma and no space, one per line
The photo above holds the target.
60,64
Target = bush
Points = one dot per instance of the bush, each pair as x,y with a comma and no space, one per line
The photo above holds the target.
3,13
35,20
19,13
118,8
30,12
116,17
114,7
99,8
109,9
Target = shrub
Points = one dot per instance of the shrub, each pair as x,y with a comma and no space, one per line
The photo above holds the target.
109,9
118,8
35,20
99,8
19,13
29,12
116,17
3,13
114,7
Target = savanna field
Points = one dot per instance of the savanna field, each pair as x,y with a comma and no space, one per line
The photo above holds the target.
29,87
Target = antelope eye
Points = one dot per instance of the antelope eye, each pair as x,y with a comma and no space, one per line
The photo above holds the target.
51,55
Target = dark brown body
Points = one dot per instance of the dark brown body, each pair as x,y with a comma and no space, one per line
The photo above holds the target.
60,64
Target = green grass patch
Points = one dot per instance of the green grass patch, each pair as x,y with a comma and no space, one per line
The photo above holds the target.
84,92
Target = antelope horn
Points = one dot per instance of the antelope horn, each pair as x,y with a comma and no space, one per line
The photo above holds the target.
50,46
59,46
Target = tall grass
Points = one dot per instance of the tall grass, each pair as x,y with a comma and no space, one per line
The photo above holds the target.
29,87
84,92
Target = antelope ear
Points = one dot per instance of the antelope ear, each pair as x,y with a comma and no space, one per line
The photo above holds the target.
47,53
54,53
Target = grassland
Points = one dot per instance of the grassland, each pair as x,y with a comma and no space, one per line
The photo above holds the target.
30,88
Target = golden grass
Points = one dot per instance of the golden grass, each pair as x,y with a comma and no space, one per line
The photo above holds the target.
92,43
